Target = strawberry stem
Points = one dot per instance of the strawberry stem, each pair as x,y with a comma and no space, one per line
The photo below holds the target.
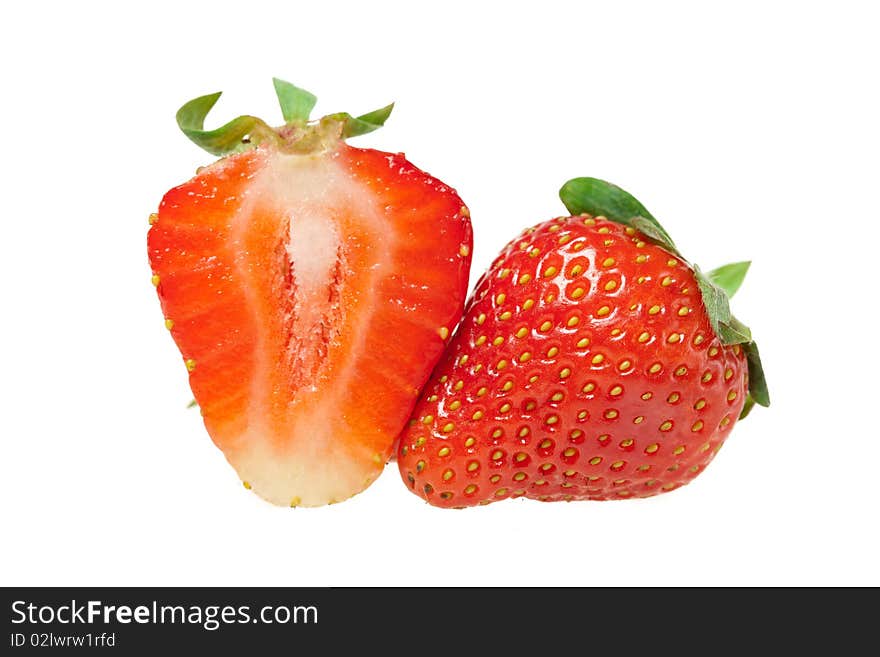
601,198
298,135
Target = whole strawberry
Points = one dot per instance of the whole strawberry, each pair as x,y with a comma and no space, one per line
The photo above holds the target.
310,287
593,362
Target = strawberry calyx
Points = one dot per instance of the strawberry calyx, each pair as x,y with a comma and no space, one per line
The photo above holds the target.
601,198
299,134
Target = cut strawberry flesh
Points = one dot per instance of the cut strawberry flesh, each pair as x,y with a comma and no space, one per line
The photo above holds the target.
308,295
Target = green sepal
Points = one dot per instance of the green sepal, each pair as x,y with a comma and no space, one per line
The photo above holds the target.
238,135
747,407
757,381
758,392
296,104
729,329
192,404
730,277
601,198
361,125
737,332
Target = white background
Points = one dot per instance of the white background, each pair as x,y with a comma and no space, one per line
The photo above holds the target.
751,131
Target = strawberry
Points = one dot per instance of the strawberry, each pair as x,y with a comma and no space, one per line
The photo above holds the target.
593,362
310,287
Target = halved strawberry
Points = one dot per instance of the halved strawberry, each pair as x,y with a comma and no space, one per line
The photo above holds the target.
310,287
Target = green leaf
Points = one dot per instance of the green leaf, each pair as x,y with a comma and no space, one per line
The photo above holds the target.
734,332
758,392
747,407
650,229
729,277
239,134
739,332
730,330
716,302
361,125
757,381
296,104
727,327
598,197
377,117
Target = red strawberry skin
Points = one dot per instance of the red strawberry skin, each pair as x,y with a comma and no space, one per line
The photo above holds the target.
585,368
310,296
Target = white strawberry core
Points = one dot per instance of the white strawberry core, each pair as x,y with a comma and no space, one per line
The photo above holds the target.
313,249
327,209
